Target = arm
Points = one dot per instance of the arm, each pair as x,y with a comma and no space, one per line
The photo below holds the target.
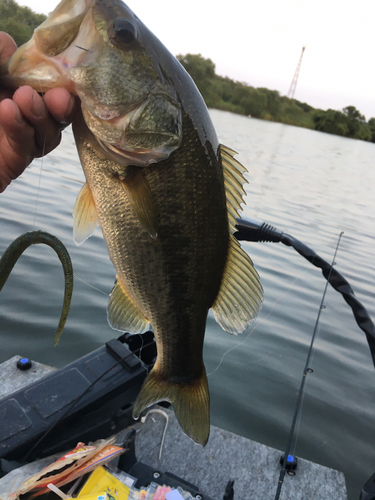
30,125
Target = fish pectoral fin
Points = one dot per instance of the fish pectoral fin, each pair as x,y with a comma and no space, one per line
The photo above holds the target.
85,215
241,295
191,403
141,199
123,314
233,182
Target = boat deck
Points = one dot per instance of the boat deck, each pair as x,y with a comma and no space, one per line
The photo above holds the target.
253,467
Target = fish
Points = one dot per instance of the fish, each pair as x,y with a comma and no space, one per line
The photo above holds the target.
164,191
16,249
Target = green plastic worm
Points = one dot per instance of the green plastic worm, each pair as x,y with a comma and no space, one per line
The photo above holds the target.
19,245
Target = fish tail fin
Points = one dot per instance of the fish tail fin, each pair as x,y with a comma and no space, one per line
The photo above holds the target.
191,403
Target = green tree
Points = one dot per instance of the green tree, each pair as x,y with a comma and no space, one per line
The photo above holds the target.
350,123
332,122
353,114
18,21
253,102
363,132
273,105
371,124
239,97
358,128
305,107
202,72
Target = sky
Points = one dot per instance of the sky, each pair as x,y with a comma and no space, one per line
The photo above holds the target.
260,43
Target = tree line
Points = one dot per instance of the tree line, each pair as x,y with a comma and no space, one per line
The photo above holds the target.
18,21
223,93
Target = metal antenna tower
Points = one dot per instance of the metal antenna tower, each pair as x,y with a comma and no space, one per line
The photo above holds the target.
293,85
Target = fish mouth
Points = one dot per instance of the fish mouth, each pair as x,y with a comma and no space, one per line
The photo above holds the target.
138,157
126,145
45,60
85,46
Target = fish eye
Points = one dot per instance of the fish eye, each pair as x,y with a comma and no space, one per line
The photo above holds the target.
123,32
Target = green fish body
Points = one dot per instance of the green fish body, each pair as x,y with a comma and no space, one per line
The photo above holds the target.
163,190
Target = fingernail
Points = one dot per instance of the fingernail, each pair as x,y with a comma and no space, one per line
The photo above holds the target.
70,108
19,116
38,107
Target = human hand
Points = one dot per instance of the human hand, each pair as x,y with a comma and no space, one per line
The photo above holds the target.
30,125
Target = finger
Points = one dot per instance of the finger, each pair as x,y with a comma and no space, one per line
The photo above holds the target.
61,104
16,143
19,132
47,130
7,47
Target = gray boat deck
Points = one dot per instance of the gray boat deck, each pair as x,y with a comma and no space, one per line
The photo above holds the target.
253,467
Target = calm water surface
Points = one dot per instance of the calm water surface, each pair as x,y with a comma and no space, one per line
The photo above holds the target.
308,184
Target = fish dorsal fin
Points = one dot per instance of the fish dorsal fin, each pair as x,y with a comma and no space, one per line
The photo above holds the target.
123,314
141,199
241,294
233,181
85,215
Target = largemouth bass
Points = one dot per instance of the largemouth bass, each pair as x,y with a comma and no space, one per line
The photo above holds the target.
163,190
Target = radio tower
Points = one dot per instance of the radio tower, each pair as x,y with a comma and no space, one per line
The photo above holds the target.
293,85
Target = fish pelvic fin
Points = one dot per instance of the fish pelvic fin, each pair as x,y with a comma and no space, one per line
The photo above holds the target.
123,314
141,199
85,215
241,295
234,180
191,403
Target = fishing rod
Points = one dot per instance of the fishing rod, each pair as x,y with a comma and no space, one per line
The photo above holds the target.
250,230
306,370
254,231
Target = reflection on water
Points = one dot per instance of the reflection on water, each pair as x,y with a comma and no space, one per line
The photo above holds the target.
308,184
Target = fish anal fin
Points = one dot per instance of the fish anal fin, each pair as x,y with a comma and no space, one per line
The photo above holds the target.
233,181
141,199
123,314
191,402
241,295
85,215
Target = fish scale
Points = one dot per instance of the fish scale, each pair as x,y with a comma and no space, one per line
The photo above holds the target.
163,190
164,275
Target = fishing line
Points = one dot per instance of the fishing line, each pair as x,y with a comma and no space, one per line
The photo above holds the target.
80,279
166,416
39,182
142,342
259,323
40,172
306,370
91,286
78,399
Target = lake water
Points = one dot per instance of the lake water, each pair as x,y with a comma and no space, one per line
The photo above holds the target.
308,184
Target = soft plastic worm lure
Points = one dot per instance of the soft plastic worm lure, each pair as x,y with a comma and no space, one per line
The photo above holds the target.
19,245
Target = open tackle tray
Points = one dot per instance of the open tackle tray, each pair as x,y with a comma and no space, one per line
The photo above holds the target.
88,399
